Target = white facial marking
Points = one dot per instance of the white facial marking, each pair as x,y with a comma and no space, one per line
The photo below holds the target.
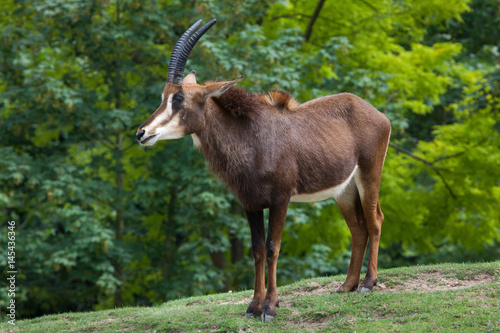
162,117
162,97
332,192
171,130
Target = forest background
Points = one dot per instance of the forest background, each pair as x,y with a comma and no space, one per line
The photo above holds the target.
101,222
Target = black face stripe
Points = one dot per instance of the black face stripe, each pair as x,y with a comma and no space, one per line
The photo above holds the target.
176,106
177,100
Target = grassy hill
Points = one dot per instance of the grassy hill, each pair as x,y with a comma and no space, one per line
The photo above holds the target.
437,298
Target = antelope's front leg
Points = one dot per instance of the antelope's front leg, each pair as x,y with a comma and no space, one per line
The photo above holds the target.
256,222
277,216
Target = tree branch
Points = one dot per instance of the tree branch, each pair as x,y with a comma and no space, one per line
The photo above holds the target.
448,157
406,152
430,165
313,19
369,5
448,187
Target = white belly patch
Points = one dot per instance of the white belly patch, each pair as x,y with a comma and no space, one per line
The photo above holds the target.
332,192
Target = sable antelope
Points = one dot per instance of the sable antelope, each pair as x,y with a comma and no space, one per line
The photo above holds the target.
271,150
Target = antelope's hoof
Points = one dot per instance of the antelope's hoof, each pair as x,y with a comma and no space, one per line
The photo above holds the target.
364,290
266,318
344,289
268,313
254,309
253,314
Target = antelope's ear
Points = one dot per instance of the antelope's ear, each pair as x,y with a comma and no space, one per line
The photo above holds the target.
190,78
218,88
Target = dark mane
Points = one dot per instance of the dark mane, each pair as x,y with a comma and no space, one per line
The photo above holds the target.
239,103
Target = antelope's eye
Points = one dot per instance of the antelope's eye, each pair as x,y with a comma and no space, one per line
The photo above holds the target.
178,98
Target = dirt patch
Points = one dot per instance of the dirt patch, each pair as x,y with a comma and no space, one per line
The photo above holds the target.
434,281
108,320
308,324
231,301
316,322
424,282
99,323
314,288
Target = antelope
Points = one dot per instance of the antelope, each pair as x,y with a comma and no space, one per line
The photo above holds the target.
271,150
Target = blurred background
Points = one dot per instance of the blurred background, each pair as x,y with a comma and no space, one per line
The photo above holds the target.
103,223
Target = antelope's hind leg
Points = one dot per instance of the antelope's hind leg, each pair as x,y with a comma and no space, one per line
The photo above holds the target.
368,180
350,206
374,218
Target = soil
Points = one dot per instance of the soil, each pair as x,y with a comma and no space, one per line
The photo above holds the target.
425,282
436,281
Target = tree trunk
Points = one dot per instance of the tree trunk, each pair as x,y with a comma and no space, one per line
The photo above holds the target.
120,222
218,259
308,33
170,248
237,249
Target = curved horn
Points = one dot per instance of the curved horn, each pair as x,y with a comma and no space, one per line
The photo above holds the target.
184,53
174,58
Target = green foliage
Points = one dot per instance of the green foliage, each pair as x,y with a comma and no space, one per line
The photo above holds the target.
102,222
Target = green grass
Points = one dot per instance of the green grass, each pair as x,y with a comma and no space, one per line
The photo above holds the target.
312,305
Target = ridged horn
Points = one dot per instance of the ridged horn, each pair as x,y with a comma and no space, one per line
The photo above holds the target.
174,58
178,72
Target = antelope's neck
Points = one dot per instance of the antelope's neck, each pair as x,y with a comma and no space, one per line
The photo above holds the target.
227,142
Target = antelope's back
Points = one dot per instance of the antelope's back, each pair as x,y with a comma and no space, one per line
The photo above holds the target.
333,134
346,113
